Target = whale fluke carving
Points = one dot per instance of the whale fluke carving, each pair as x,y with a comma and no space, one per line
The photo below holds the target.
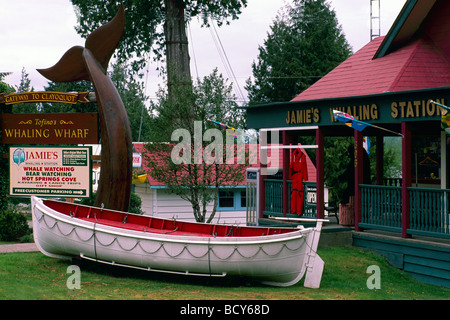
90,63
102,42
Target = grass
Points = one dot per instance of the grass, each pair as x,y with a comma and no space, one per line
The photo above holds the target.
33,276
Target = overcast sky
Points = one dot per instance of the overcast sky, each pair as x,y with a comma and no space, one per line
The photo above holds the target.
35,34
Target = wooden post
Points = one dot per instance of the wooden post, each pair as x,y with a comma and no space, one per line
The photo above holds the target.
262,176
286,162
320,173
359,163
406,177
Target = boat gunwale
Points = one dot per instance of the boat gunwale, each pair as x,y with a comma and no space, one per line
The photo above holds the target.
185,239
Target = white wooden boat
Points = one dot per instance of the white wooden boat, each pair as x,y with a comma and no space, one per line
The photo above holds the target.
275,256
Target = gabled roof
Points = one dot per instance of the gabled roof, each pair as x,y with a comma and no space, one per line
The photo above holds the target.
414,55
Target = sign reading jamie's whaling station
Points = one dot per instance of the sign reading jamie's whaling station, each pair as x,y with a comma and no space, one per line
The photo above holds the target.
54,171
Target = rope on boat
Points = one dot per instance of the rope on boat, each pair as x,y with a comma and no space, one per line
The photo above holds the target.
209,256
157,245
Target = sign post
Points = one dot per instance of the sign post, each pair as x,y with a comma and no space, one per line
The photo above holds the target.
50,171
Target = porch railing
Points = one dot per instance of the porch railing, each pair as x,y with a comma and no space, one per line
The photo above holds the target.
429,210
381,207
430,213
274,198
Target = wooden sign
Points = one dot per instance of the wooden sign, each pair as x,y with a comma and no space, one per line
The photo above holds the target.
49,128
44,96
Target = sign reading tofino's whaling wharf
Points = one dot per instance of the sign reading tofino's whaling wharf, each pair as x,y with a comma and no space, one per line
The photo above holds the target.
48,128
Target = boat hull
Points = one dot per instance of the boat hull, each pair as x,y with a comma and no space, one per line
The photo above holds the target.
279,259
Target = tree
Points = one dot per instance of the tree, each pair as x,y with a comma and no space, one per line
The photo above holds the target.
144,19
24,86
4,163
142,33
132,93
130,89
304,43
196,167
76,86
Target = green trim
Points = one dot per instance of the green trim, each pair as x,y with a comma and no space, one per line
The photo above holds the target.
382,108
428,233
376,95
379,227
393,32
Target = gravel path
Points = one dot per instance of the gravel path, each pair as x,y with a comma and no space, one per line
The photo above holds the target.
18,247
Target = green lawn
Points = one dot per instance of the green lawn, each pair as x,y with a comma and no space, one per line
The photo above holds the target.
34,276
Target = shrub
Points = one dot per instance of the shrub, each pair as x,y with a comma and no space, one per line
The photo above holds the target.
135,204
13,225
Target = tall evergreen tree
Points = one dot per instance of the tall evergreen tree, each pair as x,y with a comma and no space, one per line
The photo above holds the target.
24,86
131,91
304,43
76,86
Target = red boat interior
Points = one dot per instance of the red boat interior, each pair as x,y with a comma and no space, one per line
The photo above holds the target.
149,224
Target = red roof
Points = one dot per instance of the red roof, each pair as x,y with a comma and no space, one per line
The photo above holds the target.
140,148
418,65
414,55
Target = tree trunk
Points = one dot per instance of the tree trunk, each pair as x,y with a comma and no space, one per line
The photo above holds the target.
177,49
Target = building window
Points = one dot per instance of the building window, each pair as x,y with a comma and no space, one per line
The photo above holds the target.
243,199
226,199
231,200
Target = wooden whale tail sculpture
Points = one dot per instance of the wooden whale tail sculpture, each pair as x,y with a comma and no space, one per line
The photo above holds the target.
90,63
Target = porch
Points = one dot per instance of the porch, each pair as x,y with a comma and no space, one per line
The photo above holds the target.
381,208
424,252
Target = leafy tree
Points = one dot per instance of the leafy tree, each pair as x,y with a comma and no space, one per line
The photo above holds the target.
204,168
217,102
304,43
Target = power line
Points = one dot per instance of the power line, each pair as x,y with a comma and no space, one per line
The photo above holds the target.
225,60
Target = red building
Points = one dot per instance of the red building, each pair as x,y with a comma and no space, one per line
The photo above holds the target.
390,83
